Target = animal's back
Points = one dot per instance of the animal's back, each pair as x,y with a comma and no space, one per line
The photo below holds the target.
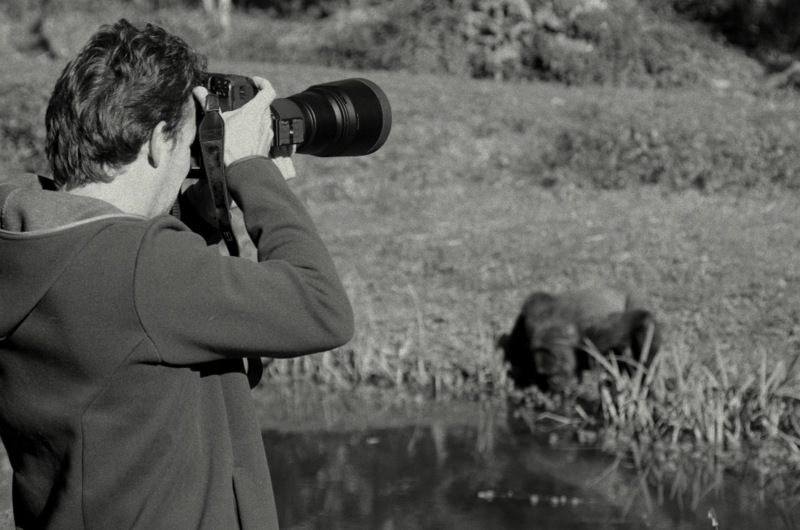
590,304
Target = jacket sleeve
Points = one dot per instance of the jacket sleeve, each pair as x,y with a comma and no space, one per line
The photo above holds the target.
196,305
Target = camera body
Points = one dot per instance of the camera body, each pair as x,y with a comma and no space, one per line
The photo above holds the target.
350,117
233,91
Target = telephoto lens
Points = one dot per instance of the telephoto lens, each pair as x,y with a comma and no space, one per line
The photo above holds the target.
350,117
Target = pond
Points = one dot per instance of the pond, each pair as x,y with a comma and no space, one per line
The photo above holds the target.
438,477
368,461
361,462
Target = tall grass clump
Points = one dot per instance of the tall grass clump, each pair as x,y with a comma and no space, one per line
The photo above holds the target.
708,407
685,424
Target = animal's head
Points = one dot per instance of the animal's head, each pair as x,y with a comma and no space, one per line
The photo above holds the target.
553,349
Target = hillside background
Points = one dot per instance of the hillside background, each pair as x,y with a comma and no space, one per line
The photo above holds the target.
641,43
737,58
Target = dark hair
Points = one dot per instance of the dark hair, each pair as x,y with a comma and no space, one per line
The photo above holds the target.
109,99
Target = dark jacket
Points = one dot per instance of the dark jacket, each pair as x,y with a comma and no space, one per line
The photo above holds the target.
123,398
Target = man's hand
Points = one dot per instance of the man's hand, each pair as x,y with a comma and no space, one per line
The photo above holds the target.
280,155
248,130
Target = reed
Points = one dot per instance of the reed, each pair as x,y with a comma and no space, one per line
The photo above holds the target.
712,407
685,425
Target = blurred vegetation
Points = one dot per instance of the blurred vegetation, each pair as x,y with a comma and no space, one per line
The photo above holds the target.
733,130
520,134
644,43
770,29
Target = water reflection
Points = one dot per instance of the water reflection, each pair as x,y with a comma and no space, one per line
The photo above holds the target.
437,477
435,468
359,462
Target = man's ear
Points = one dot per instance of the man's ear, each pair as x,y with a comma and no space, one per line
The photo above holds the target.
159,145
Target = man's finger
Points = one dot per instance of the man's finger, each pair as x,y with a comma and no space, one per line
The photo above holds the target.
266,92
286,167
200,93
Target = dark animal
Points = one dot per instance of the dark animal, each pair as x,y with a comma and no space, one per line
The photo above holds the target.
547,345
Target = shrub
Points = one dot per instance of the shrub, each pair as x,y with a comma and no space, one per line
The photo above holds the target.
414,35
768,28
702,145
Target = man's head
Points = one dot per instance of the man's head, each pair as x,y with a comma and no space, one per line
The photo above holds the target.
112,96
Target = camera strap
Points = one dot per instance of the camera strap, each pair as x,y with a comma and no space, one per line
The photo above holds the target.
211,134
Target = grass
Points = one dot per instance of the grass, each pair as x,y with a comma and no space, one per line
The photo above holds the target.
486,192
438,251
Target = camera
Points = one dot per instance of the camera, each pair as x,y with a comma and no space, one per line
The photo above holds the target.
350,117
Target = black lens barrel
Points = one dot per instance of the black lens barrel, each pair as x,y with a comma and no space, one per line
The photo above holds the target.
350,117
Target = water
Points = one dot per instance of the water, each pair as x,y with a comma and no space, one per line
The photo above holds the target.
437,477
356,463
362,461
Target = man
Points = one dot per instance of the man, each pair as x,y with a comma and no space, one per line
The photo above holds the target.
124,400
